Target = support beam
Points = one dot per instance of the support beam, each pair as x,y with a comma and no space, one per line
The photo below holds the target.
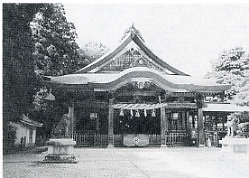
33,136
184,119
201,140
27,137
110,125
163,127
97,123
200,126
188,126
71,116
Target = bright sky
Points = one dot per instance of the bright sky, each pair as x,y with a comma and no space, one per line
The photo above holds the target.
186,36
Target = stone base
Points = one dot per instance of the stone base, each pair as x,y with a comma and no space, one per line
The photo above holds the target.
110,146
163,146
55,158
235,145
60,151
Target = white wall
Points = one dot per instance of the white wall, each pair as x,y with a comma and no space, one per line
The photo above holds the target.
23,131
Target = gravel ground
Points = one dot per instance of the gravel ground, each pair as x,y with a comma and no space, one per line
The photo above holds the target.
179,162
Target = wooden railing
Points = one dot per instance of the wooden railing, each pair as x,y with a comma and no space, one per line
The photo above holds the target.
100,140
173,139
91,139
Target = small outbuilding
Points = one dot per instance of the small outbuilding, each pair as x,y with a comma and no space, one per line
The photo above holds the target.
25,131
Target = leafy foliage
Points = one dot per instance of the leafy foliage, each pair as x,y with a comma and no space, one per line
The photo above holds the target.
9,136
19,80
55,46
94,50
90,52
39,99
232,67
37,40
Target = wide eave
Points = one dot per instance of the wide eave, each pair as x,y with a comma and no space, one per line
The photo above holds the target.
108,82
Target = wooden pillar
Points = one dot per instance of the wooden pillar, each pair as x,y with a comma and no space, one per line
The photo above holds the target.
167,122
163,126
71,116
97,124
188,126
110,125
183,119
223,121
200,126
34,135
27,137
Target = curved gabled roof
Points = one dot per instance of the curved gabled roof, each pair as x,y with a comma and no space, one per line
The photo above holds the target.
27,121
89,77
134,36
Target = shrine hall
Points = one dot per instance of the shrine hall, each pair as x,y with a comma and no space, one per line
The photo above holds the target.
131,98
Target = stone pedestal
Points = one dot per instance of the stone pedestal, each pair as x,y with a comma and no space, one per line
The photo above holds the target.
234,147
60,151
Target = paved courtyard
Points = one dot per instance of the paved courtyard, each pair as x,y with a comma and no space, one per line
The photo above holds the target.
176,162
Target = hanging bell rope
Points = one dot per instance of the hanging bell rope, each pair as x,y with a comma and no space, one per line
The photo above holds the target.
131,113
145,113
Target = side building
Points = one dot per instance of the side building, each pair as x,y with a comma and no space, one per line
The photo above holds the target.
25,131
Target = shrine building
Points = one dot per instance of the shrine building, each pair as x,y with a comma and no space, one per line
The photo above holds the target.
131,98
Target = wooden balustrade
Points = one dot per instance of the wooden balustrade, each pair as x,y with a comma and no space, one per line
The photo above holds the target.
174,139
100,140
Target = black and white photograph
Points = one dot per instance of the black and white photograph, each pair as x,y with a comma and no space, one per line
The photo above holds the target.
125,90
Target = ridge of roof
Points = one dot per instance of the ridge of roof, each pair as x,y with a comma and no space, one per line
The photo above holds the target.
133,31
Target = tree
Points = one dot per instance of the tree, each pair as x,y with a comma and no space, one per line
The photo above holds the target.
19,81
56,53
94,50
232,67
18,70
55,46
84,60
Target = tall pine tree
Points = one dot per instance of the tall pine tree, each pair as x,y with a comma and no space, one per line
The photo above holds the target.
19,80
56,52
232,67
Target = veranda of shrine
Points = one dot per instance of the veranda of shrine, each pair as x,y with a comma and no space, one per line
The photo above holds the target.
132,98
